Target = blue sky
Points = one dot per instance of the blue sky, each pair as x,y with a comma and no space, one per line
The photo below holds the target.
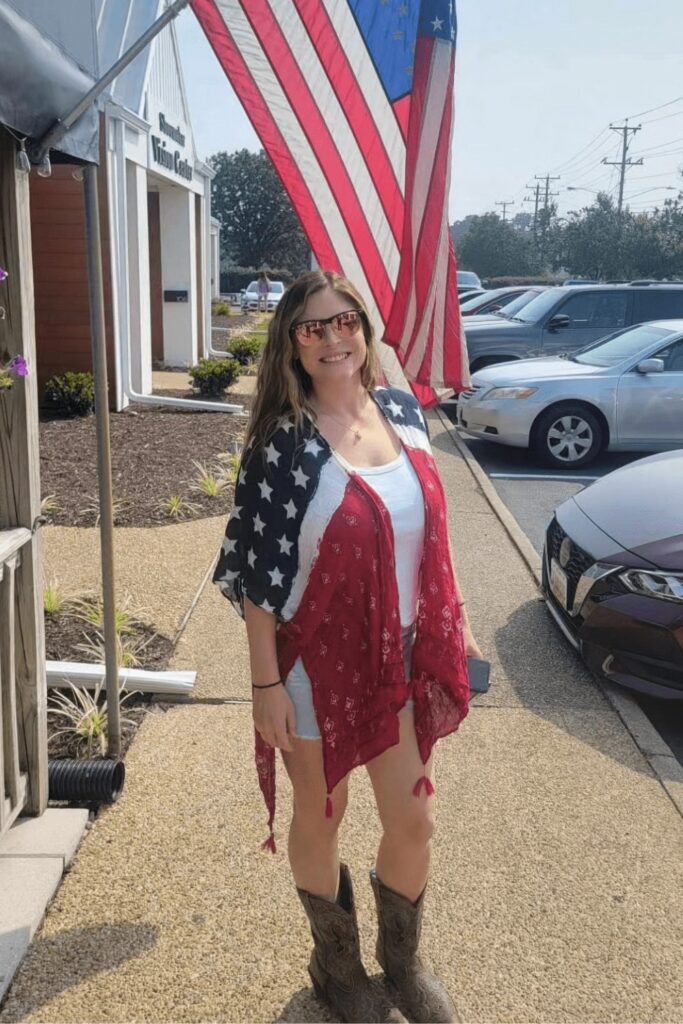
537,82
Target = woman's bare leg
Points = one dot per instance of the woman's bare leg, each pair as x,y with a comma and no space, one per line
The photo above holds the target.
408,821
312,846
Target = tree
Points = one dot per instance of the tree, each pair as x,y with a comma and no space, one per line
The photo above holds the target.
258,223
494,248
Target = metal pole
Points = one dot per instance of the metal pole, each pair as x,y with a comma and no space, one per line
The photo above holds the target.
99,359
62,125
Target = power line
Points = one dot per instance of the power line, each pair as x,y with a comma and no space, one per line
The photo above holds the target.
653,109
575,158
664,117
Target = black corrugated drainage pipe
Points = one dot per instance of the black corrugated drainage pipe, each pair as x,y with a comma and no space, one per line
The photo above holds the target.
99,780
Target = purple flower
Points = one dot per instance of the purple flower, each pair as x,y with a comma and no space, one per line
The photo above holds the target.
3,274
18,366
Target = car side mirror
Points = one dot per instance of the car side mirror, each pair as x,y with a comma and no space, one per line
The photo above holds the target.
650,366
558,321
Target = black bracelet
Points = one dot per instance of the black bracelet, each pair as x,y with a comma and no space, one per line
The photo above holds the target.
267,686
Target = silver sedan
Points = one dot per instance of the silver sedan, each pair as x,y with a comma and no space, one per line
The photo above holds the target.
623,393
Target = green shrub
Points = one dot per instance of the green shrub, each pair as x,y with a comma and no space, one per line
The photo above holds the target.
72,394
220,309
246,349
212,377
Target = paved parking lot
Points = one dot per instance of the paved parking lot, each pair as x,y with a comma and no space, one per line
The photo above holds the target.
531,492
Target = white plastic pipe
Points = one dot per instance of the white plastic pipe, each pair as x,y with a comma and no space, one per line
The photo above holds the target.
61,673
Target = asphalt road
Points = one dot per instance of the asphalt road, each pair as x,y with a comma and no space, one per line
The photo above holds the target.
531,493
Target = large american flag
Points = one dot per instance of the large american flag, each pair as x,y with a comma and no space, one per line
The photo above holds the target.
353,102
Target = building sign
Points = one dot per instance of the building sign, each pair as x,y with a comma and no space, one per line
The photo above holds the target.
171,159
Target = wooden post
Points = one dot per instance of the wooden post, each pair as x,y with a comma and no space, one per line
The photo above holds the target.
19,472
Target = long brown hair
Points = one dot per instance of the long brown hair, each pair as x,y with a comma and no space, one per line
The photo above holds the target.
282,385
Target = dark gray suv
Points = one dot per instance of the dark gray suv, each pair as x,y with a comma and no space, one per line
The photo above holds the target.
565,319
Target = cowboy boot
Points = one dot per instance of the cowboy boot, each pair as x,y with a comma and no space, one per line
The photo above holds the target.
422,995
336,969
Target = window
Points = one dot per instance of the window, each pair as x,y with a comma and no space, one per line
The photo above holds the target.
672,356
596,309
658,304
628,345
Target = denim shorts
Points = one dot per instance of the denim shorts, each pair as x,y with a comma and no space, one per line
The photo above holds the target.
299,688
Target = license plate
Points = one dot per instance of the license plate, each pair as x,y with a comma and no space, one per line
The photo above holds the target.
558,583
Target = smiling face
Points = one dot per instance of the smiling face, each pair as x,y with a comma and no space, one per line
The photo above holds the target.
333,357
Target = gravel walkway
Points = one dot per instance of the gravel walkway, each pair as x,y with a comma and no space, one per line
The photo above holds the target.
557,884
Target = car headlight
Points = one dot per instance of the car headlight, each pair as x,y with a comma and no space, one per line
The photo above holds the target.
510,393
668,586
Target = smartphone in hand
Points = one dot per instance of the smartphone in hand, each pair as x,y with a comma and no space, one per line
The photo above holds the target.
479,673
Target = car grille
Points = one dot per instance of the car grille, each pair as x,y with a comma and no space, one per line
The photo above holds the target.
465,396
579,561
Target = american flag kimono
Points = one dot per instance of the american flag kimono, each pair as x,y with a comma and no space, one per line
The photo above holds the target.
326,570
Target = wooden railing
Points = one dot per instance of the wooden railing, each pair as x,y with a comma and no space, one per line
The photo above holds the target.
12,780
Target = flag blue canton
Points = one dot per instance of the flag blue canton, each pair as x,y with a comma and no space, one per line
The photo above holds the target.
389,28
437,18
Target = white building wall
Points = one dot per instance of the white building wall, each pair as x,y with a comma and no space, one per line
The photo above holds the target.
140,319
178,273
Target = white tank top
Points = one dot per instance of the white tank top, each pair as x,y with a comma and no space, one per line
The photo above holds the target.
397,485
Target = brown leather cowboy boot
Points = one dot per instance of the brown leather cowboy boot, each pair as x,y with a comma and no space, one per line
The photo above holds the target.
336,969
421,994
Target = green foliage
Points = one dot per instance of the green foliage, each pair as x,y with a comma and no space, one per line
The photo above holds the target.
72,394
84,717
212,377
246,349
221,309
177,507
258,223
493,247
54,599
209,482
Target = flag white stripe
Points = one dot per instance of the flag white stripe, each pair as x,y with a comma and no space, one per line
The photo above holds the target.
332,114
382,112
429,137
302,153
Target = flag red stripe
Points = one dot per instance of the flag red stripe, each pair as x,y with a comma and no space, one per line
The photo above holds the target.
352,101
293,84
265,127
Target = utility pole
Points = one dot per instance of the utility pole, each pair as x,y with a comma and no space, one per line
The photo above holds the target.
623,163
547,178
535,201
505,207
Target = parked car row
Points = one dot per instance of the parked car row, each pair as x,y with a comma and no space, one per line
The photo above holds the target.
250,297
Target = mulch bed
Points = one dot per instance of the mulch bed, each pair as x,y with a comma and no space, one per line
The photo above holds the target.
63,632
152,452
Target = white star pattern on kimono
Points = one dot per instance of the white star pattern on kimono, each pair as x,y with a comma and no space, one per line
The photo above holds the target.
285,545
266,491
236,511
276,577
300,477
272,454
395,409
290,509
286,425
251,557
267,607
258,524
229,546
312,447
243,476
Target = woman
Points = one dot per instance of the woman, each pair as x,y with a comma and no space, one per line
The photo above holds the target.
337,555
262,289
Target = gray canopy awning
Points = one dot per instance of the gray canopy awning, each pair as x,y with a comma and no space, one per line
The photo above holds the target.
42,74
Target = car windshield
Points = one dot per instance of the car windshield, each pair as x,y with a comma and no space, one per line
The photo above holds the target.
524,299
625,345
538,307
479,300
252,287
277,287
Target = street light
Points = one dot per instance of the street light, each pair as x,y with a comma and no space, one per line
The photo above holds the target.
657,188
579,188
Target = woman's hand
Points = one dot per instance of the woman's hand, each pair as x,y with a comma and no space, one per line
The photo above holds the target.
472,648
274,716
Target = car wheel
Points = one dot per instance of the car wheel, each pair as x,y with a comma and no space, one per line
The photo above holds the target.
568,437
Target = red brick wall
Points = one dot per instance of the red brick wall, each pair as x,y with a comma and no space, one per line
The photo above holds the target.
61,273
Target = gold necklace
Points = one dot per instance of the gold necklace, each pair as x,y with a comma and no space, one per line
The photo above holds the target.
356,432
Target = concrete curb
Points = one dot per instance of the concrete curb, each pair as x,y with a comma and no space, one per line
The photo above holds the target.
652,746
